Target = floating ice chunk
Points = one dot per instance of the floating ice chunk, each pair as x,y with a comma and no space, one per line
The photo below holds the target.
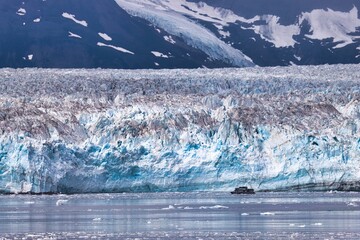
61,202
245,214
218,207
169,207
188,208
30,57
213,207
72,17
318,224
97,219
29,202
37,20
267,213
352,204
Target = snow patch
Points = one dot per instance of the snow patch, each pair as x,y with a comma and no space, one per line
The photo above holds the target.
198,10
21,12
73,35
297,58
120,49
279,35
159,54
72,17
169,39
224,34
337,25
105,36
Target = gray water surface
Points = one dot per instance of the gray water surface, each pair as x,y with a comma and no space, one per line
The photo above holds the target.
203,215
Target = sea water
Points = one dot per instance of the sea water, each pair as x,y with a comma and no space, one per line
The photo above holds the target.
195,215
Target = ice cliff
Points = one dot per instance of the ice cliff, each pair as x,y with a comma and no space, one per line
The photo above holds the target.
179,130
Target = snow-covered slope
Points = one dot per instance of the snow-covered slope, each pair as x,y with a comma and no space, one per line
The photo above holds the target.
171,130
177,25
333,29
192,33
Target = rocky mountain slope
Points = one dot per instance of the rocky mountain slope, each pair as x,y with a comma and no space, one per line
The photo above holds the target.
177,33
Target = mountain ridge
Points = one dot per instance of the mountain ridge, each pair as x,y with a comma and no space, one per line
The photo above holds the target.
220,33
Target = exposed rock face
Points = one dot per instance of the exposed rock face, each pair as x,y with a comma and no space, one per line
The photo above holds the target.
179,130
134,34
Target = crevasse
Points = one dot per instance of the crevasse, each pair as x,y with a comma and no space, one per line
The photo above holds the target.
78,131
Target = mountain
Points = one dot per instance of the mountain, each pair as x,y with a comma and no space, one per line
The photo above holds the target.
81,130
178,33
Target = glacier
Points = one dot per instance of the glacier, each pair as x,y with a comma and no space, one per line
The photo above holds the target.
193,34
91,131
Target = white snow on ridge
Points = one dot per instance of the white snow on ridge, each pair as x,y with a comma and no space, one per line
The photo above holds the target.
324,23
73,35
224,34
332,24
72,17
21,12
159,54
199,10
169,39
193,34
120,49
105,36
279,35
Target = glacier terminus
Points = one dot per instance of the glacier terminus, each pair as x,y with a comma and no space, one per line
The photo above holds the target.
86,131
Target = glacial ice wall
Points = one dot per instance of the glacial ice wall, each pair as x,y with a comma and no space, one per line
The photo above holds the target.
279,128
